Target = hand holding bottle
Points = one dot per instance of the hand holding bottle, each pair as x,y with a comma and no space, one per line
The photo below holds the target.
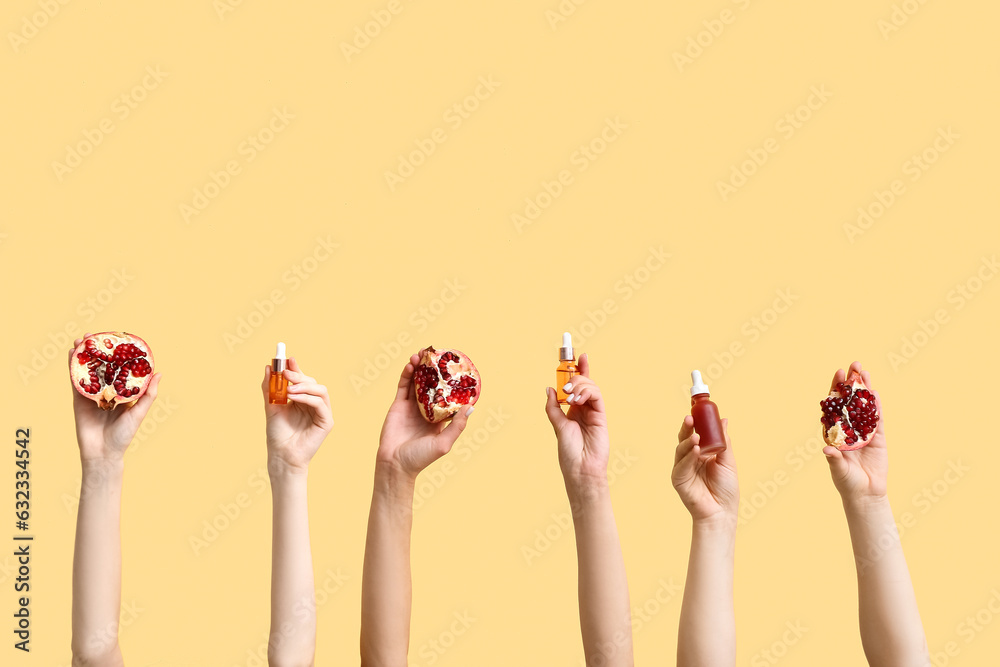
707,484
296,430
582,432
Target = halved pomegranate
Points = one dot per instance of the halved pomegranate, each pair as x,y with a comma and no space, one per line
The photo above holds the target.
850,414
445,380
111,368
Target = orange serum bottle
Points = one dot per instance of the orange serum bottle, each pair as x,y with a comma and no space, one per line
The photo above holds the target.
279,385
567,367
707,423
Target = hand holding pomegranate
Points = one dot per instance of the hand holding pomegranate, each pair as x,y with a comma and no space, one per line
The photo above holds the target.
104,434
409,442
582,432
859,469
296,430
707,484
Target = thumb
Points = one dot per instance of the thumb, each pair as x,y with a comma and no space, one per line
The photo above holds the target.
552,409
145,401
838,464
450,434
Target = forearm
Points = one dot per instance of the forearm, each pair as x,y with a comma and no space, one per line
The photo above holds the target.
97,565
707,635
386,589
605,616
292,639
891,630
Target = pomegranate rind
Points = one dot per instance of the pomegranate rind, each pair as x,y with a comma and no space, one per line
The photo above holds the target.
835,436
107,398
435,412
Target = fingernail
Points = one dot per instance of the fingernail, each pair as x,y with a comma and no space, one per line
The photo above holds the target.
569,399
469,411
568,386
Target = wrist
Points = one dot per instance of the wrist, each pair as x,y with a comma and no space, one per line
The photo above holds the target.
720,523
102,466
394,482
280,469
587,495
867,505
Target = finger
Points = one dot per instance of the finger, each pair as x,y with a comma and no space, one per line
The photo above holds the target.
838,464
575,383
855,368
313,388
590,393
583,367
265,385
687,428
141,407
552,409
687,466
685,446
446,438
726,456
879,440
296,375
405,382
315,402
838,377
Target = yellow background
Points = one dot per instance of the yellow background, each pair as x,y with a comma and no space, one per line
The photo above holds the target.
323,176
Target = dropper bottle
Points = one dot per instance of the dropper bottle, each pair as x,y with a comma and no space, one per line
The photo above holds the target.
279,385
566,369
707,423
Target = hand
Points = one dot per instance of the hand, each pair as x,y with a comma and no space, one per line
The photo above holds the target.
582,432
297,429
860,475
408,442
706,483
104,435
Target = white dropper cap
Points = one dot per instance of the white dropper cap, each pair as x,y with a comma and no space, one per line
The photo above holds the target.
566,351
278,363
698,386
